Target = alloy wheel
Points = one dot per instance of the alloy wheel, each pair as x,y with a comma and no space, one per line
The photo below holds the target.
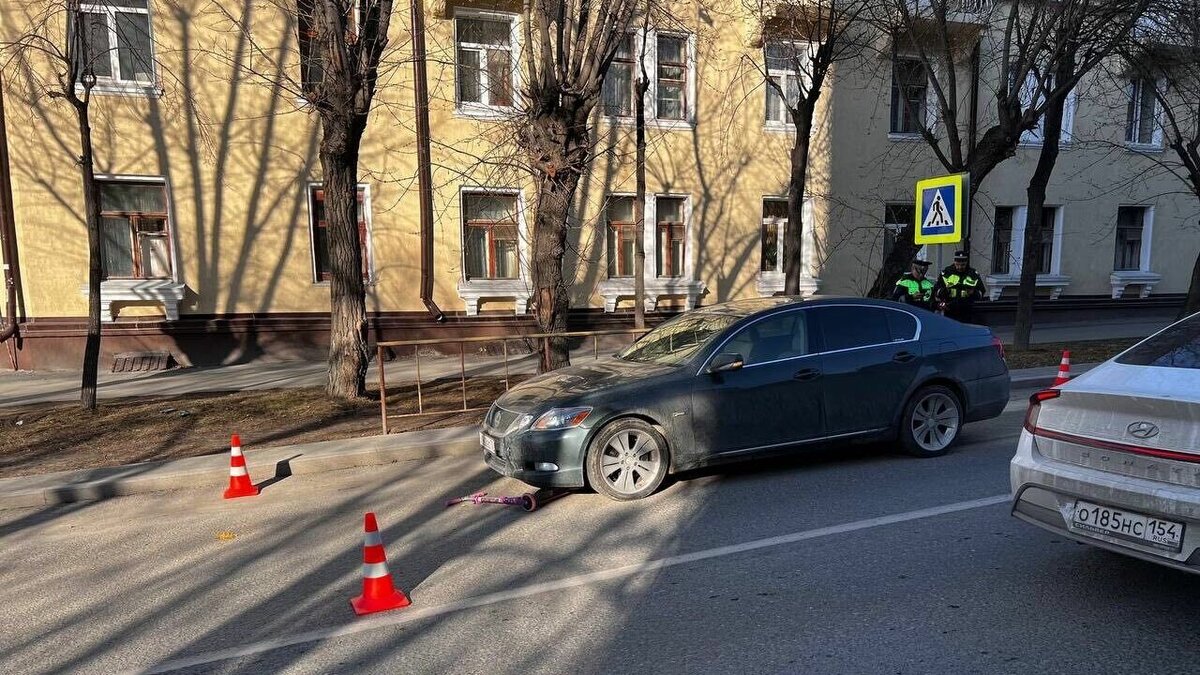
630,461
935,422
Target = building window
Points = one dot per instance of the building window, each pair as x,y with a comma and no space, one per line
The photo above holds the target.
620,81
670,233
1044,249
1141,114
622,231
117,43
490,236
895,218
312,60
909,84
783,69
774,225
135,231
320,233
485,66
1131,223
672,82
1002,240
1031,96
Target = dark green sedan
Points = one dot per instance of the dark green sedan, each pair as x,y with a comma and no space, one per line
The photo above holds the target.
744,379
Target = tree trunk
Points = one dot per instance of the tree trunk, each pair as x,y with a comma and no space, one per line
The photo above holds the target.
639,202
555,195
1192,304
904,249
348,313
91,207
1036,202
793,236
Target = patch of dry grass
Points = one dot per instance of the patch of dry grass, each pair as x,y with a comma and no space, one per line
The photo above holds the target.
42,438
1092,351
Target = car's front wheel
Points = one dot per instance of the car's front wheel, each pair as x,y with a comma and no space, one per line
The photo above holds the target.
931,422
627,460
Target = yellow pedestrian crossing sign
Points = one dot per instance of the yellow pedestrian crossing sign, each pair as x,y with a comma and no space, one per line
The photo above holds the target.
941,213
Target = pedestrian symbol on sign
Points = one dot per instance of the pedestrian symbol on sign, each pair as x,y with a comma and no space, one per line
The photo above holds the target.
938,216
941,210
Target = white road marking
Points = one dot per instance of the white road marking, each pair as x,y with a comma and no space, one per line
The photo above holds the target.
417,614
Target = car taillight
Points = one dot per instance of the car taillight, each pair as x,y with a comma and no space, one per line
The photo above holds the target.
999,347
1035,406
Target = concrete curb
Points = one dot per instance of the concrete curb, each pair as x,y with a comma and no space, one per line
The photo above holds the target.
265,465
270,464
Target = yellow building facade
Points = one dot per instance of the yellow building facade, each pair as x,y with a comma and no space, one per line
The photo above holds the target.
213,231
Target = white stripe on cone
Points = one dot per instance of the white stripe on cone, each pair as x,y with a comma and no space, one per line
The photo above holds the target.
237,471
375,570
236,451
372,539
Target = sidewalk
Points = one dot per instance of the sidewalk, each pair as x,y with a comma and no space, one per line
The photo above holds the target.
270,465
25,387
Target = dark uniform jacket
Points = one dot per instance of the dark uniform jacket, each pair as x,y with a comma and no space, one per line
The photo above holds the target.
959,291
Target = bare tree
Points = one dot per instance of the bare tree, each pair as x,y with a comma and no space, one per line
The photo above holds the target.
341,48
1018,46
62,52
1163,56
570,44
1081,35
801,42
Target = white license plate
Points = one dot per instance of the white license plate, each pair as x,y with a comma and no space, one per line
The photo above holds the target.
1092,518
487,442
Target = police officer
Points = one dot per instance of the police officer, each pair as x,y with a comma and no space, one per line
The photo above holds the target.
958,288
913,288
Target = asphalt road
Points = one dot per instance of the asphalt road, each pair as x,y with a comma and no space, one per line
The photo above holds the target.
855,560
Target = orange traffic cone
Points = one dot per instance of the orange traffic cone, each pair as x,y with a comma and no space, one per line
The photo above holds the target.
378,594
1064,369
239,478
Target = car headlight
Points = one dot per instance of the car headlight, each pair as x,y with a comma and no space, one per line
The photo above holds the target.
519,424
561,418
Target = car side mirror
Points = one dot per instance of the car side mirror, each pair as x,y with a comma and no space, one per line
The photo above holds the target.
726,362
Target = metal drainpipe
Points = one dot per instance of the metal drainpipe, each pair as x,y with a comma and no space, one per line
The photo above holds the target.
8,237
424,177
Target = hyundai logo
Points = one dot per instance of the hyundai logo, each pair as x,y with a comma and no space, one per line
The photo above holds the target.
1142,430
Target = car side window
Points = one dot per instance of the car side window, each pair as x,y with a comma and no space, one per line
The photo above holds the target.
901,325
851,326
782,336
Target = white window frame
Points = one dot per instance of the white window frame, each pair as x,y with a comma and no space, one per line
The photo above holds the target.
1034,137
486,110
931,114
309,199
808,238
604,224
1020,219
114,84
651,50
638,40
523,247
801,75
650,236
1147,235
1156,140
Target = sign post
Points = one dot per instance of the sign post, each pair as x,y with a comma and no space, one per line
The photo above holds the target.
942,212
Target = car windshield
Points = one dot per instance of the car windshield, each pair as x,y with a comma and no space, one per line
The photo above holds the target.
1175,347
679,339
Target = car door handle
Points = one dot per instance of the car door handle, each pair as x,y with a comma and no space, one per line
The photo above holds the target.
807,374
904,357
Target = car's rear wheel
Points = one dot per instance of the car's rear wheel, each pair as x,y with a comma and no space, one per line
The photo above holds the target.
628,460
931,422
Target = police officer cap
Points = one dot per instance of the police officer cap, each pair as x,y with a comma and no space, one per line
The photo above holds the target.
960,255
921,263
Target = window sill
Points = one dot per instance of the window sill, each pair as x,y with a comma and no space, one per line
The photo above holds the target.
127,89
488,113
472,291
771,283
651,123
166,291
779,128
614,289
996,283
1143,148
905,138
1120,279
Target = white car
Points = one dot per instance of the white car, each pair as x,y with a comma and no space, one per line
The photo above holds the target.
1112,458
